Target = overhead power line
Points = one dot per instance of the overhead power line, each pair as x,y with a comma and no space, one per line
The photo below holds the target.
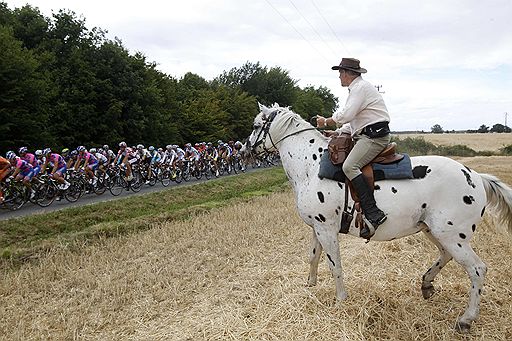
296,30
330,27
314,30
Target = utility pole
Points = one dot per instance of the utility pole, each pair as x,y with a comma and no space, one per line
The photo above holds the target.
378,89
506,114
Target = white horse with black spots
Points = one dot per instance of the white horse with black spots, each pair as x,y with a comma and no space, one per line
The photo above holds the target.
446,204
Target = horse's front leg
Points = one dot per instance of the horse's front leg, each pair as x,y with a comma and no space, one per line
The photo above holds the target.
328,237
315,252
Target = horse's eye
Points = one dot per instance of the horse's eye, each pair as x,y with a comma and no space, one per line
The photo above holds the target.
256,126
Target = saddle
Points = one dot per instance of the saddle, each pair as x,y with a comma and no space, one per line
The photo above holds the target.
339,147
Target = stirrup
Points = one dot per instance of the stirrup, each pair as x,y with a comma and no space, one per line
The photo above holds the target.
369,229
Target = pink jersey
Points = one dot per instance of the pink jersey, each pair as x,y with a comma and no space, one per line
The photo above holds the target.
23,165
56,158
30,158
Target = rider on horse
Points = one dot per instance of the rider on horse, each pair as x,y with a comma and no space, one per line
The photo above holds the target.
368,118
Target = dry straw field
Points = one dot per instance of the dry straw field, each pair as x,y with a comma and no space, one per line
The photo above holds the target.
477,142
239,273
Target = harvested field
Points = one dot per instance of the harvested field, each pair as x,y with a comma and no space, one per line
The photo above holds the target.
239,273
477,142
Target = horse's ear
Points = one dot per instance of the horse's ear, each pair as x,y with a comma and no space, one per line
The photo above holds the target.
262,107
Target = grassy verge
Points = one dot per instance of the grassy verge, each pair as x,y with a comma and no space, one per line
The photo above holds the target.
25,238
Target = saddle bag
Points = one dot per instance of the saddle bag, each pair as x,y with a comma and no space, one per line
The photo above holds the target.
339,147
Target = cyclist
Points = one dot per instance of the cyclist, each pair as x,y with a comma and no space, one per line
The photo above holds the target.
90,163
211,153
225,153
102,159
30,158
22,170
56,161
191,154
154,160
109,154
5,170
126,156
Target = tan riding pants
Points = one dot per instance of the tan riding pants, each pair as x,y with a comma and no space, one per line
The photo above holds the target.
364,151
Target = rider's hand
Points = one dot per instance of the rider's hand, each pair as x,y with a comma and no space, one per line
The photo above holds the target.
329,133
321,122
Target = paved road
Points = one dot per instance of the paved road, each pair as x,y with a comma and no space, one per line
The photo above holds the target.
30,209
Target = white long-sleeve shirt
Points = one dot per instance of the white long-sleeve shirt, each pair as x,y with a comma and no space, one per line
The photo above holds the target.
364,106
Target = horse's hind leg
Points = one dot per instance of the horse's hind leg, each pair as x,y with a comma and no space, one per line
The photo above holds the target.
427,288
315,252
476,269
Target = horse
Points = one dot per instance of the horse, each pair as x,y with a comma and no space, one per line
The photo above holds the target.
445,203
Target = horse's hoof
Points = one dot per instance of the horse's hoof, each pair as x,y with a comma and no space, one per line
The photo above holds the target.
462,327
427,292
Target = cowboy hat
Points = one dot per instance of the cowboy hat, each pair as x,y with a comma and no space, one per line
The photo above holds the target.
351,64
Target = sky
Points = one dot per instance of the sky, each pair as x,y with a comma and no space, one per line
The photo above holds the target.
446,62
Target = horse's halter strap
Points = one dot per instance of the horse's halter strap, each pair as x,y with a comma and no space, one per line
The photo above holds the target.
265,131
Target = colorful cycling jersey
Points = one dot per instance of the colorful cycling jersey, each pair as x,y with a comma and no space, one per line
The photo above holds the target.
23,166
101,158
127,151
180,152
191,151
212,152
155,156
56,158
89,158
30,158
227,150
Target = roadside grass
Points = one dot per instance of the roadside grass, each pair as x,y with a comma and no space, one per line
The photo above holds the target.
26,238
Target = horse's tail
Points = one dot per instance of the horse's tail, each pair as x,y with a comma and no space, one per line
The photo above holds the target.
499,199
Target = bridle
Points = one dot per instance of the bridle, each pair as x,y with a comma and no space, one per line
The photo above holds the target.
265,131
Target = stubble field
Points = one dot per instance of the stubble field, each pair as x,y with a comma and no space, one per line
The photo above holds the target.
239,273
477,142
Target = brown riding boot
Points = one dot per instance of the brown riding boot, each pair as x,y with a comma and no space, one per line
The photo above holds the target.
374,216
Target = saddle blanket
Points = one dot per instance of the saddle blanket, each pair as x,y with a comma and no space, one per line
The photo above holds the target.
398,170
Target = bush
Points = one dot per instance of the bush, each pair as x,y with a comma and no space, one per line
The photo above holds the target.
507,150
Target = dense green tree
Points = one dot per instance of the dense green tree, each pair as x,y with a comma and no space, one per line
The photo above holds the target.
437,129
23,95
63,85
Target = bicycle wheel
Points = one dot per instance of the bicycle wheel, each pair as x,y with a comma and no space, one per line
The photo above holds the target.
13,198
73,192
165,178
101,186
136,183
46,194
116,185
177,176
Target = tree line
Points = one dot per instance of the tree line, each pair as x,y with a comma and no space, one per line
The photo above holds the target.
496,128
63,84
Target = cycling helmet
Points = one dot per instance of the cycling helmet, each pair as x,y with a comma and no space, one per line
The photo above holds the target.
39,152
65,151
74,152
10,155
22,150
210,144
80,149
105,147
174,146
92,150
122,144
219,142
160,150
101,150
140,146
47,151
188,145
151,148
168,147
